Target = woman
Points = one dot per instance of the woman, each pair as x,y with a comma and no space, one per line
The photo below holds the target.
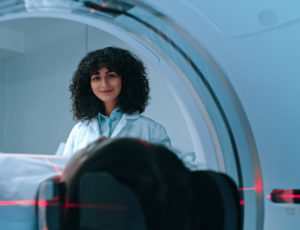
110,90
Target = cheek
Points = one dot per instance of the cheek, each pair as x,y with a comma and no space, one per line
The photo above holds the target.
94,86
118,83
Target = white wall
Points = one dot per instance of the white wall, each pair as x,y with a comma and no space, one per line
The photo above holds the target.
12,43
163,107
2,103
38,114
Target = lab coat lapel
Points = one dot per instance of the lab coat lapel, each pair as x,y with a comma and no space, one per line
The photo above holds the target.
123,121
119,126
95,125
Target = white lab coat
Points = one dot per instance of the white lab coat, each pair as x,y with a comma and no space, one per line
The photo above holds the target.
130,125
134,125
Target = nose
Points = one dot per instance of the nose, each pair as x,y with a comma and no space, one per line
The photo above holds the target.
104,82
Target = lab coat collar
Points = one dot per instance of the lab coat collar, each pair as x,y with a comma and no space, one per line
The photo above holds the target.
122,122
95,125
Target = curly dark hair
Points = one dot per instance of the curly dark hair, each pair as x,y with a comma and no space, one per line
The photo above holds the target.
134,95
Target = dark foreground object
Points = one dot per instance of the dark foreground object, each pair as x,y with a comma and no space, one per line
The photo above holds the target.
128,184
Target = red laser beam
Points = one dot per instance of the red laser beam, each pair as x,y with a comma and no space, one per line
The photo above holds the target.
243,189
45,203
242,202
33,156
42,203
55,167
279,190
288,196
21,202
104,5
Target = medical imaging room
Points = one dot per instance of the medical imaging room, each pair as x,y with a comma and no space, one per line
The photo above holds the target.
213,144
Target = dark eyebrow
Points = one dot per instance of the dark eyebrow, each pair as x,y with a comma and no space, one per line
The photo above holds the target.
94,73
97,73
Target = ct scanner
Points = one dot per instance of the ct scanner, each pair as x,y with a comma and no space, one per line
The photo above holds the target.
223,78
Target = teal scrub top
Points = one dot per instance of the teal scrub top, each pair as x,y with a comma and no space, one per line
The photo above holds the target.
107,125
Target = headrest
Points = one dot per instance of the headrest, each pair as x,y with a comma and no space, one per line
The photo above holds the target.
103,201
217,199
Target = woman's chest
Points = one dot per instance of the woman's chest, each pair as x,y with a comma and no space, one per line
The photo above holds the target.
135,130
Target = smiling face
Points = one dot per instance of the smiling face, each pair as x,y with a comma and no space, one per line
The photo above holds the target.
106,86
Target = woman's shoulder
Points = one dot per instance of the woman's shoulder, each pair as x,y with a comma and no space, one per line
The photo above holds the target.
83,124
150,122
147,119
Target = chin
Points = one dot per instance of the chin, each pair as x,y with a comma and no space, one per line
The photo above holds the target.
107,99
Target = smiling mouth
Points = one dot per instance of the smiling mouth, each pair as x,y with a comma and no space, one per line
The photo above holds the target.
106,91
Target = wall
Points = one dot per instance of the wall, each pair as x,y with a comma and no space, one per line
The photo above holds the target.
2,103
163,107
38,107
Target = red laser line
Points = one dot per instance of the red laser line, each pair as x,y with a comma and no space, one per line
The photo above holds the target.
279,190
243,189
33,156
103,6
21,202
55,167
28,202
44,203
288,196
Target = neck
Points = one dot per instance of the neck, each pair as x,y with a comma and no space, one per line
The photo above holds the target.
109,107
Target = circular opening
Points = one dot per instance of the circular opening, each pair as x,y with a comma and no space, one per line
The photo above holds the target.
37,77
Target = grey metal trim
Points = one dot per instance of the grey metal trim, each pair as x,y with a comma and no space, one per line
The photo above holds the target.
236,102
201,107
